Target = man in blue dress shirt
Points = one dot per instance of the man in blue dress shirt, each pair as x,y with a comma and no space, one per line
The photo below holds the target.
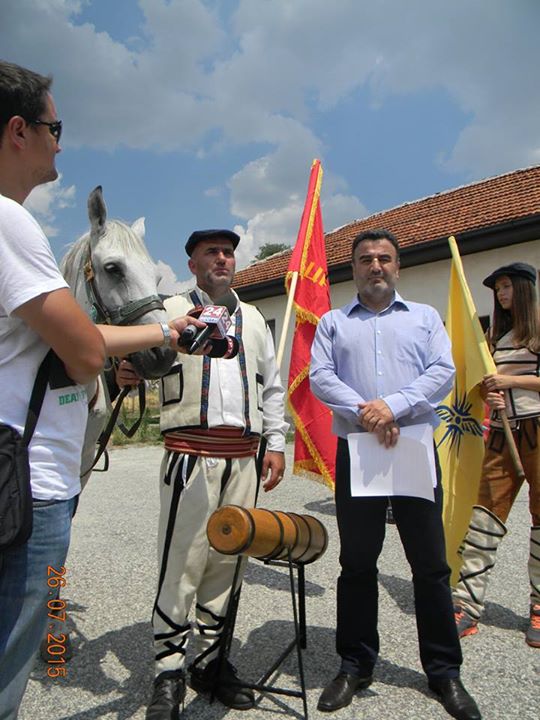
381,363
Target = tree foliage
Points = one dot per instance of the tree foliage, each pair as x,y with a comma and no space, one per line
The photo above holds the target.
269,249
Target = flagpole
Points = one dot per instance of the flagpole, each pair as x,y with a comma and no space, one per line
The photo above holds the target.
315,179
286,319
520,472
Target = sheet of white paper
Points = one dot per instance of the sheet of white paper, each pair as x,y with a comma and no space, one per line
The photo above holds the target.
406,469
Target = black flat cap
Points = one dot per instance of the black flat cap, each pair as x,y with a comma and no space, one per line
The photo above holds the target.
518,269
199,235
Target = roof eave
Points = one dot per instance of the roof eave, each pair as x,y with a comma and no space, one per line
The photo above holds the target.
469,242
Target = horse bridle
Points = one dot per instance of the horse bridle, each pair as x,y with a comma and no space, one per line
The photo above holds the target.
123,315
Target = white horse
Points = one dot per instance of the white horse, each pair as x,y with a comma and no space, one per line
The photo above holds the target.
115,280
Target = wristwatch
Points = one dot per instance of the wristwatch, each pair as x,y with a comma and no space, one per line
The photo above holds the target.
166,335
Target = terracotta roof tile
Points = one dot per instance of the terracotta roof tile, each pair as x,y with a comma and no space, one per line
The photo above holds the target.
497,200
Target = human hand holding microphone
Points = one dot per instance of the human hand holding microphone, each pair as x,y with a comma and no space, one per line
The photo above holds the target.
212,339
205,335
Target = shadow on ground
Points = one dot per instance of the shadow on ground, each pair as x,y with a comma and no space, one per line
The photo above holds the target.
120,663
325,507
257,573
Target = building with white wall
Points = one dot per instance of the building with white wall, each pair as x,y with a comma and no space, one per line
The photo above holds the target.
495,222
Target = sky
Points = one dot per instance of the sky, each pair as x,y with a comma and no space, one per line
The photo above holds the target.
208,113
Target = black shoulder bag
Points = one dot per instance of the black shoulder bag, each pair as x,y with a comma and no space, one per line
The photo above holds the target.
15,490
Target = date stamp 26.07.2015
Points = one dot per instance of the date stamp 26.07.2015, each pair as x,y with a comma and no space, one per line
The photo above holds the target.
56,641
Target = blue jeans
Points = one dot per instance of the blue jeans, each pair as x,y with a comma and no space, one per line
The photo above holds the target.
24,594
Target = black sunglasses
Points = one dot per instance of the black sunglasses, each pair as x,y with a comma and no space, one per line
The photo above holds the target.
55,128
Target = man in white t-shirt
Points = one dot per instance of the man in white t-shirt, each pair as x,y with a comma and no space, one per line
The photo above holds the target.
38,312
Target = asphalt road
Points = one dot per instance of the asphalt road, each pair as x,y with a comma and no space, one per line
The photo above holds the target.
111,576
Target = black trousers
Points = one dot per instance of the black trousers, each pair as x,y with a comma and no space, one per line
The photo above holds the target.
361,523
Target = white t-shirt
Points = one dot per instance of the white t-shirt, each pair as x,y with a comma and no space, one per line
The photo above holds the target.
28,269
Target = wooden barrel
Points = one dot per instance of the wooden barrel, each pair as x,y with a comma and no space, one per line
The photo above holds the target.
266,534
234,530
311,542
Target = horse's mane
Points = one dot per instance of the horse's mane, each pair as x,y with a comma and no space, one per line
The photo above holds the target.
72,261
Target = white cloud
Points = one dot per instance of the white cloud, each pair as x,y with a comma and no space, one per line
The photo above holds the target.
271,180
45,201
256,79
271,226
480,54
195,81
281,225
169,283
341,209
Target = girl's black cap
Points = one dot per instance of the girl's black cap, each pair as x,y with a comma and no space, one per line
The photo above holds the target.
517,269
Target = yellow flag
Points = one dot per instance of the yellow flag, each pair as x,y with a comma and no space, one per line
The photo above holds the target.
459,437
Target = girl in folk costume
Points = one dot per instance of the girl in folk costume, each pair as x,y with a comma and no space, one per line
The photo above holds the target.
515,344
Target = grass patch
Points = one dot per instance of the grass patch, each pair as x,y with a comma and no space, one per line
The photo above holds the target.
148,432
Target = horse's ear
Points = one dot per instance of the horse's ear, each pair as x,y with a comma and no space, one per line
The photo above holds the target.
138,228
97,211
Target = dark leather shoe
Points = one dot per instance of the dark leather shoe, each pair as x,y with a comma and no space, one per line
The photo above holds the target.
229,691
168,695
456,700
340,692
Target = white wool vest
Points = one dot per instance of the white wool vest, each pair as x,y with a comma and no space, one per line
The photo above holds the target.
184,390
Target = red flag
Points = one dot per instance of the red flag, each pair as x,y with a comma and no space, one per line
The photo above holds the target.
314,445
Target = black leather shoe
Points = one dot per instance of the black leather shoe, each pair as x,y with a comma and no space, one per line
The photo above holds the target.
340,692
229,691
168,695
456,700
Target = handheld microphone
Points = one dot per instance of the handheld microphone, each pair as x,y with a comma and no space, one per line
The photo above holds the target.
225,348
218,321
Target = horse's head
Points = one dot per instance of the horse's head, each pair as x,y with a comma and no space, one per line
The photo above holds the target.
121,281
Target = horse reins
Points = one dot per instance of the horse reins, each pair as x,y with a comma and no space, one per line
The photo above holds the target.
123,315
106,433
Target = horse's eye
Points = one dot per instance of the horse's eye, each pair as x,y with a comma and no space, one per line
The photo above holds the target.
112,268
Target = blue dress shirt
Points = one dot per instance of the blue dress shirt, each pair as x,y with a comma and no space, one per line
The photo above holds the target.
401,355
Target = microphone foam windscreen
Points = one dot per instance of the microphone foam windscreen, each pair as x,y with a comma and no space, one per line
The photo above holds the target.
228,300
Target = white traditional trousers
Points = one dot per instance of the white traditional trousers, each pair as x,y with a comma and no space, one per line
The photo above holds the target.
191,488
